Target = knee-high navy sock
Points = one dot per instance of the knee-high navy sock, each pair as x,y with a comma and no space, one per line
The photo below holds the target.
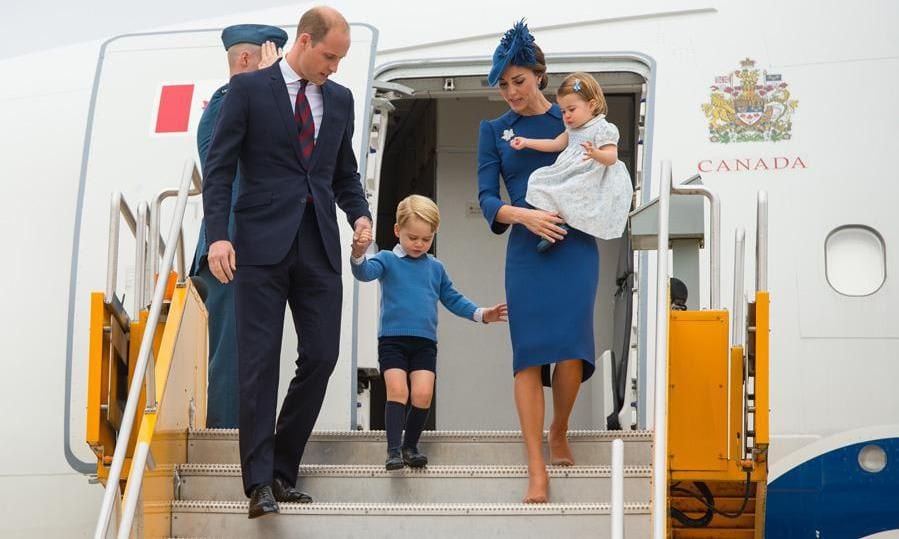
415,423
394,417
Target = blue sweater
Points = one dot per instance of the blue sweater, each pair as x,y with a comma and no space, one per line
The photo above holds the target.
410,289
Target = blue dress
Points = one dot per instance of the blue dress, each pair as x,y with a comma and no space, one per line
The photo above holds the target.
550,295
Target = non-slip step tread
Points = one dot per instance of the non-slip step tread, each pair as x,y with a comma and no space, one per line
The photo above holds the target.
444,435
365,470
200,506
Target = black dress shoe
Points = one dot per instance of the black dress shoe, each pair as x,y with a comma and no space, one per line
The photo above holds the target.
413,458
285,492
394,459
262,501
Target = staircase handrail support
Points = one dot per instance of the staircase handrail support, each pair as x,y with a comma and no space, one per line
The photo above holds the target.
714,237
140,370
761,242
156,241
660,427
119,209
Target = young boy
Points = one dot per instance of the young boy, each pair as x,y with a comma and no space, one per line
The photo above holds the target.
412,281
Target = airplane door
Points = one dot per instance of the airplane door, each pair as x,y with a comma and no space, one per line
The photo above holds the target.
149,93
367,297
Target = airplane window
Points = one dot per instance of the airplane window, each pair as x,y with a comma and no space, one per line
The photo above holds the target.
855,260
872,458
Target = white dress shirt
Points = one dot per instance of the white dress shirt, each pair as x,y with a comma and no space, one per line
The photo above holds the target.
313,94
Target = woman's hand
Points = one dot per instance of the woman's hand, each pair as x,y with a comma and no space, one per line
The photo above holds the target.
542,223
497,313
518,143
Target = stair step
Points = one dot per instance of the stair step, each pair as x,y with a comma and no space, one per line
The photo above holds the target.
437,521
434,484
590,447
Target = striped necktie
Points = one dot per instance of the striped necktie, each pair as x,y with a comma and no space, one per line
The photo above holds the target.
305,122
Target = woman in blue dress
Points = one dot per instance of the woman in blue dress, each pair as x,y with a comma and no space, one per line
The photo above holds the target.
551,294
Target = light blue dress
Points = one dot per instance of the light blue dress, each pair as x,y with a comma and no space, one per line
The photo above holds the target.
590,196
550,295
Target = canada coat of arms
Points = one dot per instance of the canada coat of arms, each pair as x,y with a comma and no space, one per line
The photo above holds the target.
749,105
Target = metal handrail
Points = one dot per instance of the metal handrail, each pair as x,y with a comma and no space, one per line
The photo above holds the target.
739,261
660,438
140,371
737,325
617,508
119,208
714,238
140,257
761,243
156,242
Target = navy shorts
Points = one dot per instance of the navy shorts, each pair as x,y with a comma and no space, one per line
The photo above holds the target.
407,353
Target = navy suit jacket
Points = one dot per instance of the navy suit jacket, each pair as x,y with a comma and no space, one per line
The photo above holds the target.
256,128
204,139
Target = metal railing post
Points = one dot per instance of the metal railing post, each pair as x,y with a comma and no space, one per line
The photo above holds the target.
112,253
761,243
118,208
714,238
660,438
617,531
156,241
140,259
739,256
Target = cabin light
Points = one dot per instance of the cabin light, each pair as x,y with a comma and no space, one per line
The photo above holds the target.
872,458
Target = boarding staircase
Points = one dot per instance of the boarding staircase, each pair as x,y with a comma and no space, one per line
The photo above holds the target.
472,487
175,478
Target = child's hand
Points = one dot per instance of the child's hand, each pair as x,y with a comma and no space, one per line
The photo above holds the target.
360,244
518,143
497,313
590,151
606,155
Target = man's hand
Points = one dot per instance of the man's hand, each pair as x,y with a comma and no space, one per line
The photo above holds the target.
270,54
497,313
222,261
361,241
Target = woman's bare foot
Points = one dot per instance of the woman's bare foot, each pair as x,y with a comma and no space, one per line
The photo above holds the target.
559,450
538,487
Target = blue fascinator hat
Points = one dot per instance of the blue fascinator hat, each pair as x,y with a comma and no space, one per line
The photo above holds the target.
515,48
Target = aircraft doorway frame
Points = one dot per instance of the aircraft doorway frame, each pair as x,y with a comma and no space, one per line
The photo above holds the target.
642,65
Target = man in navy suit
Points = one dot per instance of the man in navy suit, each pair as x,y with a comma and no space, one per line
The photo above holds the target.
249,47
290,129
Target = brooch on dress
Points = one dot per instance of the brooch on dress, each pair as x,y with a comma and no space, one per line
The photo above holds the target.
508,135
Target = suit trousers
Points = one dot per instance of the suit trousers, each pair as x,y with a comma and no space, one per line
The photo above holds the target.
222,392
306,281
